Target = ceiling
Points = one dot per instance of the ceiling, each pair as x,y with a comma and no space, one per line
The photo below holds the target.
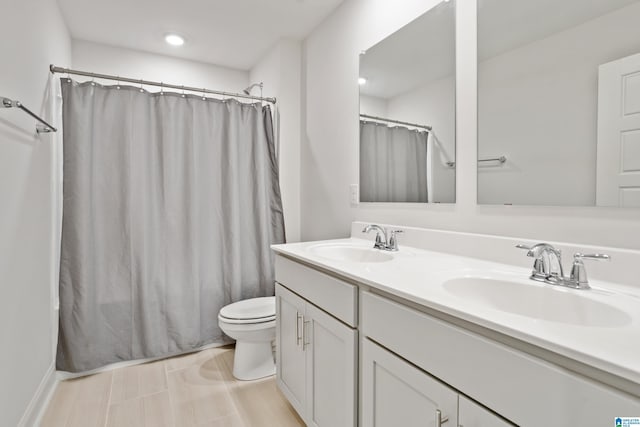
504,25
424,50
420,52
231,33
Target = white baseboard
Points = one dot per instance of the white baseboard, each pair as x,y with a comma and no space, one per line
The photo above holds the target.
34,412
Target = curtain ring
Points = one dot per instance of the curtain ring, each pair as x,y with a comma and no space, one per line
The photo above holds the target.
183,95
204,98
93,79
118,82
161,88
141,89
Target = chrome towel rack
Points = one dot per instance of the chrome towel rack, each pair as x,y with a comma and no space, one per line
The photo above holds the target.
501,159
42,127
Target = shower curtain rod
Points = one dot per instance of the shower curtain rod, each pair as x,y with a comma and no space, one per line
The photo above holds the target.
382,119
55,69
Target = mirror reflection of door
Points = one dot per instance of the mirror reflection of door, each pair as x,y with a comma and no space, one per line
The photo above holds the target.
558,94
618,171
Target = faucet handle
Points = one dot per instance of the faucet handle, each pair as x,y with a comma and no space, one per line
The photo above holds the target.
538,272
596,257
578,278
393,240
528,249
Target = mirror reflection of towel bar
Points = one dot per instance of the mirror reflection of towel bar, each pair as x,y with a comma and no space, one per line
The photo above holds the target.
500,159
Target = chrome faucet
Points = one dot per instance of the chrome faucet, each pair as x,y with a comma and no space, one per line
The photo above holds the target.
380,244
548,262
547,266
386,244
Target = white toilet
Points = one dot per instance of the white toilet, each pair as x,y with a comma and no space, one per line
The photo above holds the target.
252,323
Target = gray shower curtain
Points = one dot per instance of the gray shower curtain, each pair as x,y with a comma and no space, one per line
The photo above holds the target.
393,164
170,205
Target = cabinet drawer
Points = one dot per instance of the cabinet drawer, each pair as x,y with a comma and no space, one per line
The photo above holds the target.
520,387
334,296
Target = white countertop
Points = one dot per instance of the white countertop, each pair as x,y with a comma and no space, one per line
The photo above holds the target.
420,275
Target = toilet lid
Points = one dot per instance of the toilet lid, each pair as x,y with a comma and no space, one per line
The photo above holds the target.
254,308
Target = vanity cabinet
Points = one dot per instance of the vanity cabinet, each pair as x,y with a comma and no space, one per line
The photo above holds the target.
316,360
522,388
418,364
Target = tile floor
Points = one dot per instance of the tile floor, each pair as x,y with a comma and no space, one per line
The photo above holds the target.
192,390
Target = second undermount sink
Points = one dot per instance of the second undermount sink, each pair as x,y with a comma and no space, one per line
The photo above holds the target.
539,302
350,253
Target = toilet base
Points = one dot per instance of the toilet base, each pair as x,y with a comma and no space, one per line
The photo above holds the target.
253,360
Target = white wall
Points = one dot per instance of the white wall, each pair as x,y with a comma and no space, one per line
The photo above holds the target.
280,71
35,37
99,58
373,106
330,147
538,107
433,104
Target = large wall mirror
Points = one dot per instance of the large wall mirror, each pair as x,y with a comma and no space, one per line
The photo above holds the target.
407,112
559,102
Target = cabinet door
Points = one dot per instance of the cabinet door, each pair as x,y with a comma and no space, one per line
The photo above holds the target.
330,347
473,415
396,393
290,357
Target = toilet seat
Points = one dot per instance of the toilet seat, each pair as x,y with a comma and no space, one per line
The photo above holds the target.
246,321
250,311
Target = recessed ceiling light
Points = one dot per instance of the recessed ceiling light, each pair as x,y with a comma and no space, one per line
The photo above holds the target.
362,81
174,39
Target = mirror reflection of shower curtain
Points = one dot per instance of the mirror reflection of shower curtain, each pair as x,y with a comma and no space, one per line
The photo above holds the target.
170,206
393,164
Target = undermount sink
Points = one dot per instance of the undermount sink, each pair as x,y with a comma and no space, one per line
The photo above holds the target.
351,253
538,302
